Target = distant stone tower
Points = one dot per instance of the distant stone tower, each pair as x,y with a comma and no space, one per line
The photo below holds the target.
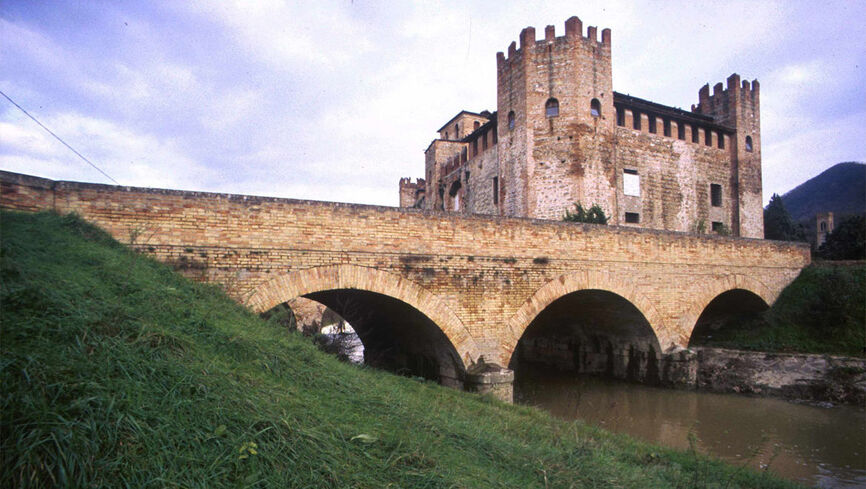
739,107
823,226
556,122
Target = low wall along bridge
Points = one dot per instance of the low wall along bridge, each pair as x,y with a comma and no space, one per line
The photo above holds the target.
432,293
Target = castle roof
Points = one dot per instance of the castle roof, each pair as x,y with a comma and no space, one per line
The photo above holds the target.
663,110
462,112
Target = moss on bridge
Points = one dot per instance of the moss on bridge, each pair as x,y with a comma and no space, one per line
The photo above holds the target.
118,372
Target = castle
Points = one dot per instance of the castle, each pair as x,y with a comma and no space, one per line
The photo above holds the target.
561,135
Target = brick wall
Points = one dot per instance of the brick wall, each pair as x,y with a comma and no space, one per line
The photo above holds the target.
483,278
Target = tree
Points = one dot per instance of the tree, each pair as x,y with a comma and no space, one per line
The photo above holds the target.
778,224
847,241
595,214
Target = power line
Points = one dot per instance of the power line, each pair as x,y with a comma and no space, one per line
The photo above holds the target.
58,138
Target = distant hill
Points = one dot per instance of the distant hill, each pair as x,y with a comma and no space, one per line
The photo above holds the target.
841,189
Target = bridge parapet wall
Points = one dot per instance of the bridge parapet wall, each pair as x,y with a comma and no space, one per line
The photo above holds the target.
484,269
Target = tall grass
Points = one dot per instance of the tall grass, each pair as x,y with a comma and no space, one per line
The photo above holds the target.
116,372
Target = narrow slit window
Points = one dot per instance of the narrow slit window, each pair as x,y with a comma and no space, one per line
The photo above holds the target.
495,190
632,217
721,140
595,108
511,120
708,137
667,127
551,108
681,131
635,119
652,124
749,143
696,134
620,116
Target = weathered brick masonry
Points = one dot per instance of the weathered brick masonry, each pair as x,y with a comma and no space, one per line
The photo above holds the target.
560,134
479,279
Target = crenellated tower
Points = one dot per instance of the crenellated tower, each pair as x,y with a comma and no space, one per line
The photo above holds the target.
556,121
739,107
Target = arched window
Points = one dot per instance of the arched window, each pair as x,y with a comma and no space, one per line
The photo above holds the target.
456,131
551,108
595,108
749,143
511,120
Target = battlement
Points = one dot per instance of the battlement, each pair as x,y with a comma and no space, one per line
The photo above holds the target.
573,32
736,92
407,182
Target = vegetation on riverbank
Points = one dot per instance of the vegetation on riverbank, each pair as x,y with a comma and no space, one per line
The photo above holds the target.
822,311
117,372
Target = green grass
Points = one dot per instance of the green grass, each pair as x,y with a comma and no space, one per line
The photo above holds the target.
822,311
116,372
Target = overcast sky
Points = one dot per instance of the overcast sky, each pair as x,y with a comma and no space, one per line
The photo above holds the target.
336,100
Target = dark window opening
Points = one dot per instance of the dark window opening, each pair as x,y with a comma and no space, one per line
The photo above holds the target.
551,108
463,156
721,140
476,125
635,119
595,108
823,226
620,116
749,143
718,226
446,135
495,137
696,135
715,195
708,137
652,124
667,127
495,190
456,131
632,217
511,120
475,148
681,131
484,142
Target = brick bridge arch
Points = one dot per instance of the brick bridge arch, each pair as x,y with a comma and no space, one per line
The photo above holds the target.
575,282
715,288
287,286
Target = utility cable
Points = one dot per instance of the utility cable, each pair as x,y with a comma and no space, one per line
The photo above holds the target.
58,138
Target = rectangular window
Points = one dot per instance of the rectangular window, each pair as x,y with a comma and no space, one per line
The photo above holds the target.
667,129
620,116
632,217
681,131
718,226
466,174
652,124
721,140
696,135
630,182
716,195
495,190
636,122
708,137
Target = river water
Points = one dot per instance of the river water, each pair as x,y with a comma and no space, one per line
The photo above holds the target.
819,446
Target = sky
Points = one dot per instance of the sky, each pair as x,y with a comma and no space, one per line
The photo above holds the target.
336,100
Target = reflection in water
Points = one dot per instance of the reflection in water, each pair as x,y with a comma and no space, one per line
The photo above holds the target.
825,447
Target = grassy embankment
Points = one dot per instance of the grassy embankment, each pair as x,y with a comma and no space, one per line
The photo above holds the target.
822,311
117,372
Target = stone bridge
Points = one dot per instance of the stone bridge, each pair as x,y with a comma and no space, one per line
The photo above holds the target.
431,293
